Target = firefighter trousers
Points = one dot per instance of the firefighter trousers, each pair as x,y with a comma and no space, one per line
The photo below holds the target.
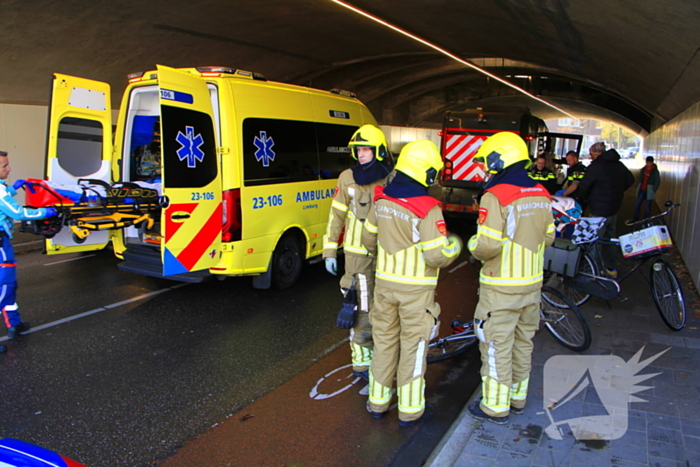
361,267
8,283
402,324
506,324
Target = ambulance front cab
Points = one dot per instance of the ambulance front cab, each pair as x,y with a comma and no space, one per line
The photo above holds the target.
245,168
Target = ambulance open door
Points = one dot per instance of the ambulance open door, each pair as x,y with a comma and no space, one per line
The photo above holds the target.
79,146
191,216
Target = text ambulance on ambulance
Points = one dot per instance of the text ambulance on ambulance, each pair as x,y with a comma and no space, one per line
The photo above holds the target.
246,169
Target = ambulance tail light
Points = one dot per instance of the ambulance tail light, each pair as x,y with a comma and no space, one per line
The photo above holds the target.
232,218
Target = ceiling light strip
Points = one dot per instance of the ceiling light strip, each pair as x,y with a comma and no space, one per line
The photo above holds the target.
445,52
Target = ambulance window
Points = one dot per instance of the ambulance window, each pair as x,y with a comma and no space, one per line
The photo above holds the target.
333,149
79,150
279,151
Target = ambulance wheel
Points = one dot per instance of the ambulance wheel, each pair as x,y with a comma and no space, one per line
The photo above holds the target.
286,262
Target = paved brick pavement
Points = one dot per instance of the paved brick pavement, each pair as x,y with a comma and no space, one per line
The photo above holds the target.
664,431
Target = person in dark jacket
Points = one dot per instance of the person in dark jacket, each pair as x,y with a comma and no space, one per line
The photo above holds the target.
647,184
603,187
540,173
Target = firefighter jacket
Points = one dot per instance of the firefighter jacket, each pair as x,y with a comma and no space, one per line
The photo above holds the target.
10,209
351,205
408,236
515,226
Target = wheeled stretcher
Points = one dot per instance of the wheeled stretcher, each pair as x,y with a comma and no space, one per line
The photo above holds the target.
91,205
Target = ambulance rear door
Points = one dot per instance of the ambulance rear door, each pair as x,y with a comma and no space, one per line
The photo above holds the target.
79,145
191,219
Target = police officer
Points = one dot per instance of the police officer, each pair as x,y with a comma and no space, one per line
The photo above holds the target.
350,207
543,175
515,225
9,210
574,175
407,232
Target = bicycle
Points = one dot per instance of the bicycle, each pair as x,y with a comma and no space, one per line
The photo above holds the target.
579,273
566,324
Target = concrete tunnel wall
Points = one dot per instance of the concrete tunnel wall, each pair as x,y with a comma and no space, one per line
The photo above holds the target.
676,150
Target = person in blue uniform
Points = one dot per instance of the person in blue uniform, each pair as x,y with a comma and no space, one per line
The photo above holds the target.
10,210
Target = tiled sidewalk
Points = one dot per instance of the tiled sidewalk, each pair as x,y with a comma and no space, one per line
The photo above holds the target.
664,432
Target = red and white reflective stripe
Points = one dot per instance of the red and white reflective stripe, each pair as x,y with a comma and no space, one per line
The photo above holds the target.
460,149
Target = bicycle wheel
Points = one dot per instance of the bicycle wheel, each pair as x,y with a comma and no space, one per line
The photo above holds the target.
668,295
450,346
566,324
554,280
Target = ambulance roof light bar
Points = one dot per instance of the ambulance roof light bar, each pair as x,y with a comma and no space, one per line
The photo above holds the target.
343,92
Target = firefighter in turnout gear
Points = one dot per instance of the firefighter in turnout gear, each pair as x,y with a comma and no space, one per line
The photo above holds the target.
515,225
350,207
407,233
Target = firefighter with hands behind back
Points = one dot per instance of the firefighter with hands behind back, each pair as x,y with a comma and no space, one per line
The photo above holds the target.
515,225
351,205
407,233
9,210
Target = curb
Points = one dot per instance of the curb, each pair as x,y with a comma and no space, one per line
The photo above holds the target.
27,247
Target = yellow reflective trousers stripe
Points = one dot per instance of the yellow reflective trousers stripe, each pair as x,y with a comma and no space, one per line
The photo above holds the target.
519,390
361,356
496,396
378,394
412,396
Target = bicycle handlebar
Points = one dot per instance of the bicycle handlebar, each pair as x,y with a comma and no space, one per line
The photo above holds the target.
669,205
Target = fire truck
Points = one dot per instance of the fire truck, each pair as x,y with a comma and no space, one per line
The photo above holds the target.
463,132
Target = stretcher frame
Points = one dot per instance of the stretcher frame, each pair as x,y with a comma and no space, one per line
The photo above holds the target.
125,204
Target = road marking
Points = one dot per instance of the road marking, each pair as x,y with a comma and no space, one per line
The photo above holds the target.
98,310
67,260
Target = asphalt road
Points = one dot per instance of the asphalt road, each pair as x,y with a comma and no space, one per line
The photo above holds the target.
149,366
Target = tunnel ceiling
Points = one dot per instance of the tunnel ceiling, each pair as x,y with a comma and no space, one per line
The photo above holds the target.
634,63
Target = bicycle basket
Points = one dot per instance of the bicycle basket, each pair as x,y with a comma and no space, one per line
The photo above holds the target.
646,242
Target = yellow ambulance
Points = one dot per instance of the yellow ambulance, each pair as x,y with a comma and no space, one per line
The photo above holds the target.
245,168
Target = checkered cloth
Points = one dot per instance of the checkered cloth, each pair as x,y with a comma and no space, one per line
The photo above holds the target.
586,230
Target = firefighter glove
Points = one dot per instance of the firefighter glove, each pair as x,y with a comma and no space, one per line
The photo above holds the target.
559,193
18,184
347,317
332,266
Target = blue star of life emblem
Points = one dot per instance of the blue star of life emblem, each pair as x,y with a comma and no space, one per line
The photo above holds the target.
190,147
264,152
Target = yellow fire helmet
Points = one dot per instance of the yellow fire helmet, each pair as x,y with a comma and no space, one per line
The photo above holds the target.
502,150
421,161
369,136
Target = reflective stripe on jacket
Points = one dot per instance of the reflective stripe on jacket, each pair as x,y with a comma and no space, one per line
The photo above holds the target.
410,250
350,207
511,240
